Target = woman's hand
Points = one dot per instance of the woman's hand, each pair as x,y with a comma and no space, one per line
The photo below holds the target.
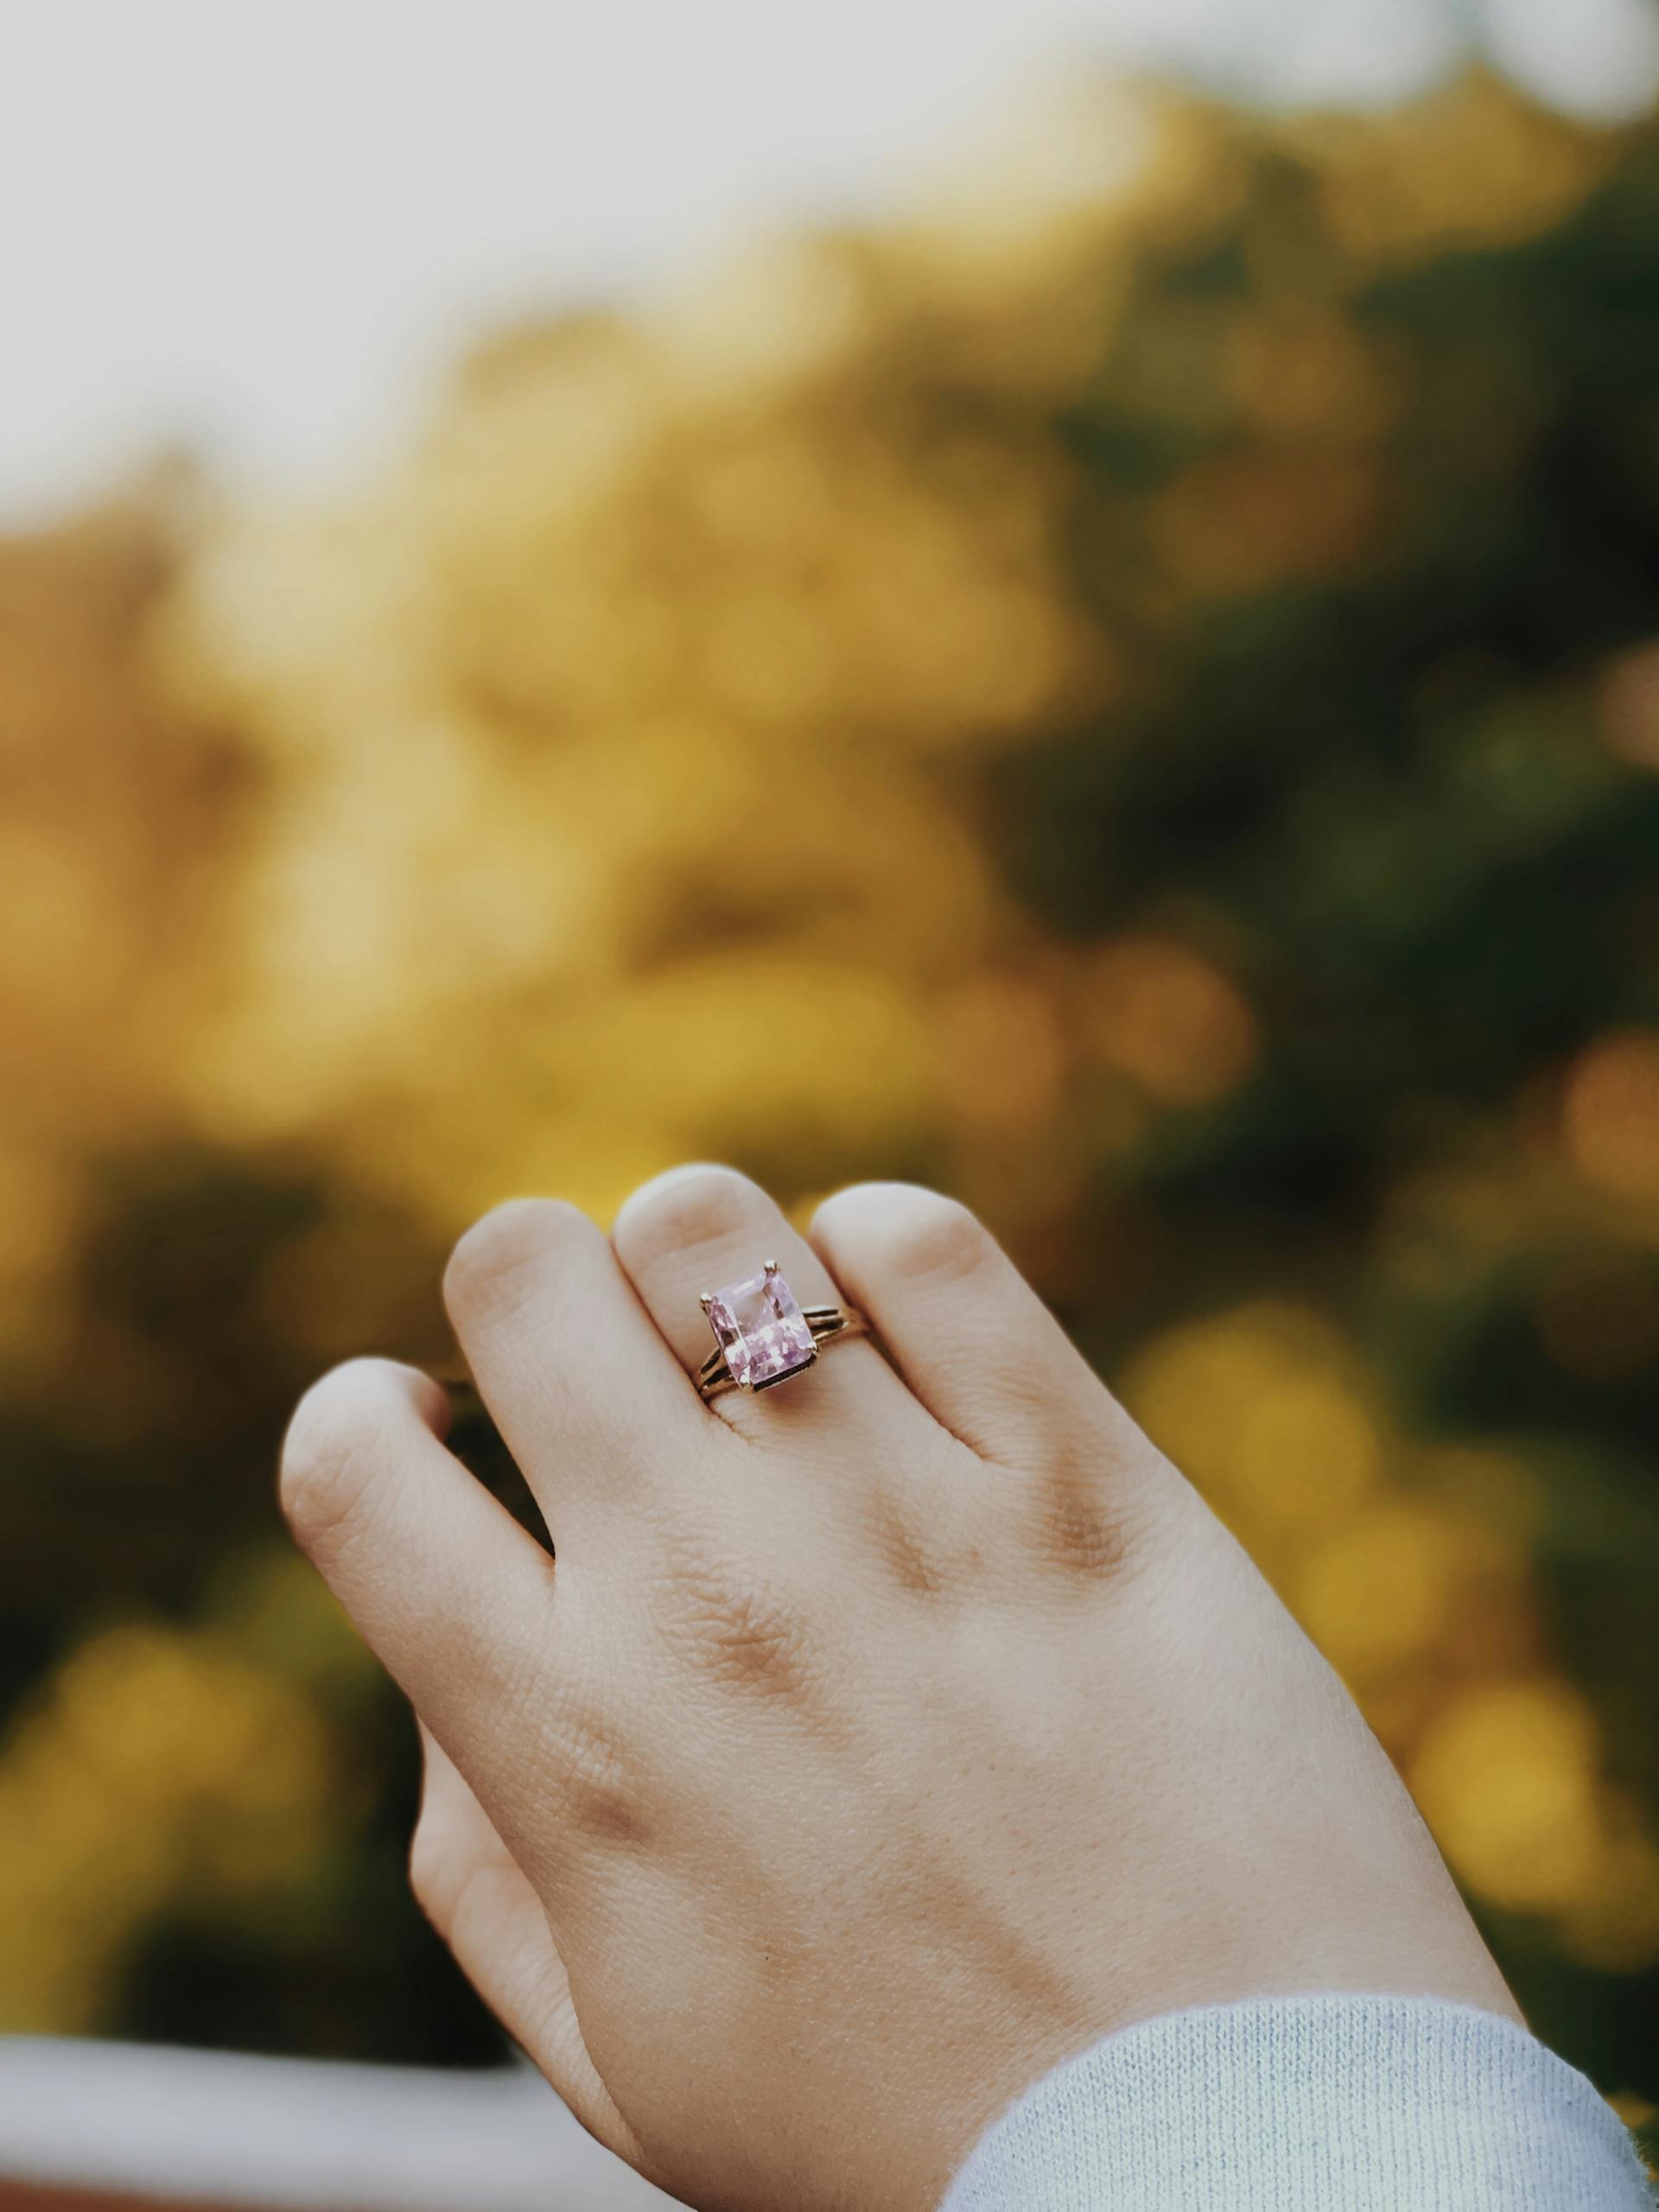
877,1741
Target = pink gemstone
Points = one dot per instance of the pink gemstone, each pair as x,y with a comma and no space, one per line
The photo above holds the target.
761,1330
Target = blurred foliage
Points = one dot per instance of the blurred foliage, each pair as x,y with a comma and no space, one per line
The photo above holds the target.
1131,692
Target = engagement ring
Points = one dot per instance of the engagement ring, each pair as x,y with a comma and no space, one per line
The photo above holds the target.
764,1336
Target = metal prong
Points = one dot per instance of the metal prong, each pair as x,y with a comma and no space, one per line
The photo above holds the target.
773,1267
705,1299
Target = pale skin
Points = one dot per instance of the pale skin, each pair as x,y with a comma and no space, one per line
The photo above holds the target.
877,1741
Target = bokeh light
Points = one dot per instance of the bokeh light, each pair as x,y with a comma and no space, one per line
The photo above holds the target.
1126,691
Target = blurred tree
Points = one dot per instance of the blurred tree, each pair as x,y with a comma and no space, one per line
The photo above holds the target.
1132,692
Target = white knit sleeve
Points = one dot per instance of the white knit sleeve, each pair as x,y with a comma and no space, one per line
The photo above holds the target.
1309,2104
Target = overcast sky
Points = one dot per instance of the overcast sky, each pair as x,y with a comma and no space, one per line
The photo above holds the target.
260,230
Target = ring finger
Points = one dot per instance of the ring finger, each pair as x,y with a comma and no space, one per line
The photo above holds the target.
706,1229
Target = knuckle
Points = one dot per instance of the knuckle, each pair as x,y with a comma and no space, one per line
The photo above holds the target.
733,1624
599,1780
911,1231
332,1452
933,1559
745,1637
1079,1534
499,1258
1098,1515
691,1207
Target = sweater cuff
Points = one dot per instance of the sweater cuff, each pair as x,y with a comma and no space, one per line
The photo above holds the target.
1309,2104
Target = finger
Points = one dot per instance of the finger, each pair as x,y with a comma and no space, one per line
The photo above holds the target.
705,1229
578,1380
446,1587
970,1335
480,1901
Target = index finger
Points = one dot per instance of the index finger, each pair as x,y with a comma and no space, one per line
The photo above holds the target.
451,1595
